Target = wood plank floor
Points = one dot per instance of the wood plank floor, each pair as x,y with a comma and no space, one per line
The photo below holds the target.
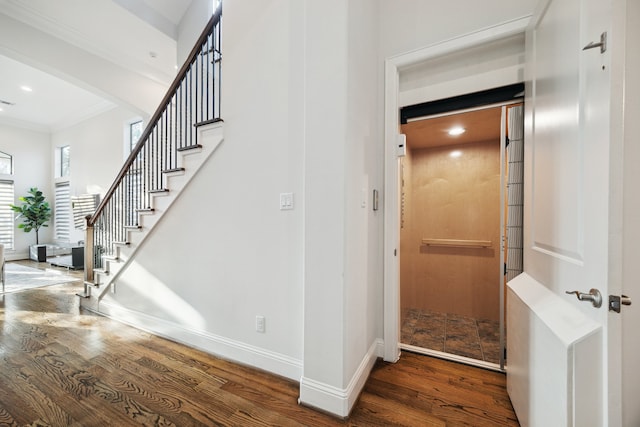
61,366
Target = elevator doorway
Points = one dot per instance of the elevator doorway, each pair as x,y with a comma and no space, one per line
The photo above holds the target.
454,239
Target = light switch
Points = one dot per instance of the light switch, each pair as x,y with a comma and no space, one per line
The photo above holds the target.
286,201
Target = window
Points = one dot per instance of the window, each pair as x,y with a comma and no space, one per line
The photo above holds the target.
63,161
135,132
7,225
133,180
6,163
62,212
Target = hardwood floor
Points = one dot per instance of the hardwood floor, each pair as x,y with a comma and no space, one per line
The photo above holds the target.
61,366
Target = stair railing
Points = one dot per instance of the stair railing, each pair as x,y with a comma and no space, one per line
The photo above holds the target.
193,99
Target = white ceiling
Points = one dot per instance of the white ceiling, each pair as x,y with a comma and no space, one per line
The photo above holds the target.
52,104
125,32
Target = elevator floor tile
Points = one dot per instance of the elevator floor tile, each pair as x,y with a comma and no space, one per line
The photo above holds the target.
451,333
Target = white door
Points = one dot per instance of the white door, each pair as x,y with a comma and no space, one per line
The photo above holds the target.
571,241
630,315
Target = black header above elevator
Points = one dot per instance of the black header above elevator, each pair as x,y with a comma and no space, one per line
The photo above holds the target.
462,102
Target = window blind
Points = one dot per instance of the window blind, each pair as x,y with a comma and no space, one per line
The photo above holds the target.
62,212
7,223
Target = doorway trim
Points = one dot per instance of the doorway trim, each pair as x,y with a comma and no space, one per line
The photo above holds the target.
393,65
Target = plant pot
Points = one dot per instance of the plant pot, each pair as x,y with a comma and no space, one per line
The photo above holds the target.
38,253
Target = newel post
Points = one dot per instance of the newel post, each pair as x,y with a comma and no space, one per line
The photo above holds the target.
88,254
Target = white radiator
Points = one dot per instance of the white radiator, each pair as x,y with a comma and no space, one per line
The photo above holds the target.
553,358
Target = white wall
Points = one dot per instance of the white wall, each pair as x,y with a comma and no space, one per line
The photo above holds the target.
286,130
363,174
494,64
226,252
191,26
343,235
408,25
325,193
32,168
97,154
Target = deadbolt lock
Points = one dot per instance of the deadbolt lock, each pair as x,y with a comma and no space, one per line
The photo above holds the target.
615,302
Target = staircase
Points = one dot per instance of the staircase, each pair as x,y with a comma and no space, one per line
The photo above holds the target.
181,135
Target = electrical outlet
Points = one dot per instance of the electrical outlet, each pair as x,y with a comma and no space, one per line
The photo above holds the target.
260,324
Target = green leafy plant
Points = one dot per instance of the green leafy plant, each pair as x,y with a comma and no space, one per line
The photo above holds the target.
35,211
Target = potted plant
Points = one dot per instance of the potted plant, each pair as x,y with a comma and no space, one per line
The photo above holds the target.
35,212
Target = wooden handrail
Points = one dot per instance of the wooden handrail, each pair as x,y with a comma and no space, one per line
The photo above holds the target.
157,115
453,243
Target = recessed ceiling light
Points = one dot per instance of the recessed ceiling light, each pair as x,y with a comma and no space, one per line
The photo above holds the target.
457,130
26,88
455,154
1,110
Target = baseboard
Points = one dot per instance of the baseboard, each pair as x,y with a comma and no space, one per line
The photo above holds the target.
226,348
335,400
16,256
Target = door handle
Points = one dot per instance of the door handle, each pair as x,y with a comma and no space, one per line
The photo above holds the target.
616,302
594,296
602,44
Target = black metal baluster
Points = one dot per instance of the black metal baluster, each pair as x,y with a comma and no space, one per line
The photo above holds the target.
180,142
203,80
158,157
145,175
167,141
208,50
190,121
197,92
153,157
161,147
174,146
169,113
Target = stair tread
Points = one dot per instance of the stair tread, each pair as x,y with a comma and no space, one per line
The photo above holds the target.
208,122
174,170
159,190
190,147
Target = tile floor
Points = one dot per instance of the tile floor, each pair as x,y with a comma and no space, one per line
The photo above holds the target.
452,333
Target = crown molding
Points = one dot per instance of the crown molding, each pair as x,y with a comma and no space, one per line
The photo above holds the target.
22,124
32,17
